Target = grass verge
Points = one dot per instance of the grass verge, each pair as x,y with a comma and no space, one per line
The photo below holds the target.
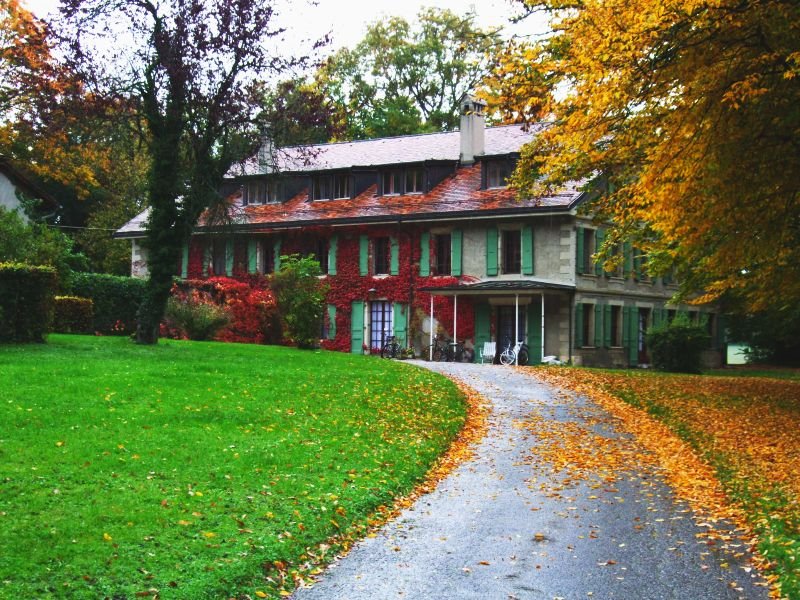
746,428
200,470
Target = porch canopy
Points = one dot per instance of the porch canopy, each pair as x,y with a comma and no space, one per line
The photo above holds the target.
526,288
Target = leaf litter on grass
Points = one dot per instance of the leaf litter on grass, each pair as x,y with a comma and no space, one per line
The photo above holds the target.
751,424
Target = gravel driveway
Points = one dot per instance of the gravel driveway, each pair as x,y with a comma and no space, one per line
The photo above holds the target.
491,531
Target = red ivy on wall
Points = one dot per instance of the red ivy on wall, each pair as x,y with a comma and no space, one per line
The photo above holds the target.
348,285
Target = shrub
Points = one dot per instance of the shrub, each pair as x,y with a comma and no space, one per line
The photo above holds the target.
115,300
250,305
73,315
196,315
677,346
26,302
301,299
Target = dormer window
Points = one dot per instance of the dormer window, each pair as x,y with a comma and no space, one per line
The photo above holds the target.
259,192
327,187
497,173
392,182
415,181
341,186
320,188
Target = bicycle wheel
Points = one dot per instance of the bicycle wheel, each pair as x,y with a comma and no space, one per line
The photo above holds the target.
507,357
396,350
467,356
386,351
435,353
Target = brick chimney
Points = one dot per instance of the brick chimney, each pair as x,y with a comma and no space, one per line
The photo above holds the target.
473,124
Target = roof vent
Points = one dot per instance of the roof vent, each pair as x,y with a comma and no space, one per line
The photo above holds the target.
473,124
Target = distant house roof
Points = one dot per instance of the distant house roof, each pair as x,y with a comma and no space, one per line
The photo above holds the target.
27,185
458,196
405,149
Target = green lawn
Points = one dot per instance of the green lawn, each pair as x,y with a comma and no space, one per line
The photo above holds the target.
193,468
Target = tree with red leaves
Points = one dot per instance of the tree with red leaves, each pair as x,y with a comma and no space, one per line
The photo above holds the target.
191,68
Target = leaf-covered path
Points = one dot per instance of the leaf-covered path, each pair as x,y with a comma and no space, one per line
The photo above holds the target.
588,521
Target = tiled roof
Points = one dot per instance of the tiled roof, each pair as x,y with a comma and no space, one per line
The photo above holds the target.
457,196
394,150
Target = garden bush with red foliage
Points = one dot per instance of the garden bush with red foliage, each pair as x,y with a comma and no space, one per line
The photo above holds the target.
249,302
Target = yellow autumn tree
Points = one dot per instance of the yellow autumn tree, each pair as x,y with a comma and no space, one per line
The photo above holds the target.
684,115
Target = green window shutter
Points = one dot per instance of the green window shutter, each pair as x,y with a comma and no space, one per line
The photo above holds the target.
456,239
208,256
599,236
185,261
331,321
491,251
425,254
277,254
400,322
633,335
252,254
579,251
535,330
638,269
607,325
627,250
394,256
482,325
527,250
363,255
228,257
357,327
332,246
578,325
598,326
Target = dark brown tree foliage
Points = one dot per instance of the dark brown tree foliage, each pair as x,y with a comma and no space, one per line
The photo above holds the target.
191,67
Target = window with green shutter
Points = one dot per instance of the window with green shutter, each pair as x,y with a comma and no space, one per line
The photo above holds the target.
456,238
332,247
357,327
425,254
331,321
363,255
491,251
527,250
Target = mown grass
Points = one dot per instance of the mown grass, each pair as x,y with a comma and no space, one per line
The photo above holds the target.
748,429
199,470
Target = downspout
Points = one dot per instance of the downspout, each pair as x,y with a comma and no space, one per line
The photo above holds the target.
571,320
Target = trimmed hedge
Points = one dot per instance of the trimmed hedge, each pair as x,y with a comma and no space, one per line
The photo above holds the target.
26,302
115,300
73,315
677,346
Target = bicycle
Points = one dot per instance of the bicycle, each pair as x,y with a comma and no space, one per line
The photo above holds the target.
438,351
391,348
516,355
458,353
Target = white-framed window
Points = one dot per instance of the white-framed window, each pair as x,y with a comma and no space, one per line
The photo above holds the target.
497,173
392,183
259,192
380,323
415,180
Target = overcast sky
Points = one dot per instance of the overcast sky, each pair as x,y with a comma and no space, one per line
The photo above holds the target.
347,20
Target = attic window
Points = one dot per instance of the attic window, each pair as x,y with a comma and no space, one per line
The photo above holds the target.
414,181
392,182
320,188
326,187
259,192
497,173
341,186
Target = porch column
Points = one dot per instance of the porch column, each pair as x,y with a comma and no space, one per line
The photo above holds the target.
516,327
542,352
430,326
455,317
